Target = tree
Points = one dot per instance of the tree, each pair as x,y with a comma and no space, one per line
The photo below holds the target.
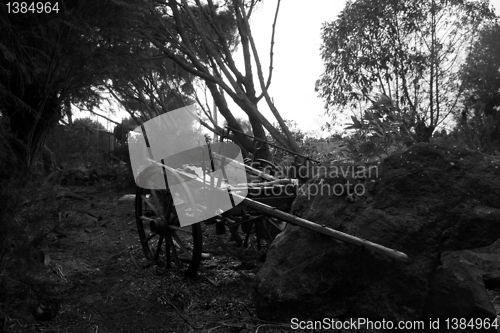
198,38
409,50
149,84
89,124
51,59
481,79
244,124
298,136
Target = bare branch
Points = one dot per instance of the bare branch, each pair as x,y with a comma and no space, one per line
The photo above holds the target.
246,49
271,51
291,141
217,29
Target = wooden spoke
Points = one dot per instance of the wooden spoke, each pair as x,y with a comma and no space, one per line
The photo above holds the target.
148,202
173,251
149,238
175,228
158,248
181,245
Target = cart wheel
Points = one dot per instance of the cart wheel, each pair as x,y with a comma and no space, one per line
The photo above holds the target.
162,238
264,165
266,228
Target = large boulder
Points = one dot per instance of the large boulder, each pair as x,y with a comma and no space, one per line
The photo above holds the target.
425,201
457,288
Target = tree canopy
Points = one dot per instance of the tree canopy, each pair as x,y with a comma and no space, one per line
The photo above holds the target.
198,37
481,79
48,59
481,73
148,54
411,51
89,124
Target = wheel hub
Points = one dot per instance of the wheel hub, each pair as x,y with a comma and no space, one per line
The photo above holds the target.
159,225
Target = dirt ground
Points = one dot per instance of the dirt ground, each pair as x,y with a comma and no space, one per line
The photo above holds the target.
98,279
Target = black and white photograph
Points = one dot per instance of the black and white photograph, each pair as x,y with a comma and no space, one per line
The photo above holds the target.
249,166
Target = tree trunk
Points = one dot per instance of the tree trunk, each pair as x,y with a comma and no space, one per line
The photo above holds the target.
31,126
244,141
262,150
423,133
210,59
67,105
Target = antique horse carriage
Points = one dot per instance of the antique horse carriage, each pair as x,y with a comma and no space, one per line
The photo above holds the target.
212,182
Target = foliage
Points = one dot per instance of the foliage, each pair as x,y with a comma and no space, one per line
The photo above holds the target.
480,74
457,137
297,134
282,157
409,50
26,202
47,60
8,156
146,53
383,129
88,123
155,85
479,121
244,124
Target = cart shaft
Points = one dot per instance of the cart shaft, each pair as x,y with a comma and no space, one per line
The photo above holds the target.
400,256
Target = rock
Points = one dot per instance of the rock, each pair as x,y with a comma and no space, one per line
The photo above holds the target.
487,261
423,202
128,199
457,290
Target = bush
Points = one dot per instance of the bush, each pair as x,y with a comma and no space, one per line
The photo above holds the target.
10,148
28,213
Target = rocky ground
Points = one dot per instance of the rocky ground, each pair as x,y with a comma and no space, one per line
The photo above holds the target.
98,280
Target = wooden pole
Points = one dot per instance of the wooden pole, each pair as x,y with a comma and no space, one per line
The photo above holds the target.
391,253
400,256
216,138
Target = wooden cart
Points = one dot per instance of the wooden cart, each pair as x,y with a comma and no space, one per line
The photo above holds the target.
166,243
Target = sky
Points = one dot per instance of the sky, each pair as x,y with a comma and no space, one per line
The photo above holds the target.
297,61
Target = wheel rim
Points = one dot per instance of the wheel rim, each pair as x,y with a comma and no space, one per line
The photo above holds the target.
267,227
163,240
